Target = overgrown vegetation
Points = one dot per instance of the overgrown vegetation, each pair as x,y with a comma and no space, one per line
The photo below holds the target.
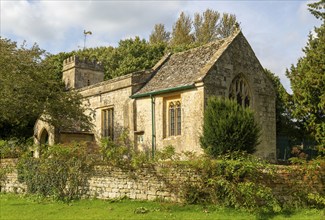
243,182
60,172
233,180
228,127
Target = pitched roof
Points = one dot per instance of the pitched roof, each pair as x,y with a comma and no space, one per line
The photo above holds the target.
185,68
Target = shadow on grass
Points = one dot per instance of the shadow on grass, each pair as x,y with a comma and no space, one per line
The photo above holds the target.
271,215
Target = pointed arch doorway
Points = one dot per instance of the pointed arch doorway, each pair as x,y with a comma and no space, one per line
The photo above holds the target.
44,141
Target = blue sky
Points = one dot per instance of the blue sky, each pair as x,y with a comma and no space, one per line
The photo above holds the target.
276,30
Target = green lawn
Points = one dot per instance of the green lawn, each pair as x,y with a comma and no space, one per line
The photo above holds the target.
23,207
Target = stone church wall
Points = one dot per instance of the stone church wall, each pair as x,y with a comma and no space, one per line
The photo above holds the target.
114,93
192,114
239,58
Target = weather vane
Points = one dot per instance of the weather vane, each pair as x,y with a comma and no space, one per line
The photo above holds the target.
86,33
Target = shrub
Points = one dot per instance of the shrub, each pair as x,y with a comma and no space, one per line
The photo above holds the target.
60,172
228,127
14,147
234,180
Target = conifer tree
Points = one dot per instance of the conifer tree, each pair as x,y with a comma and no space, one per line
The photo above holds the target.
228,127
307,79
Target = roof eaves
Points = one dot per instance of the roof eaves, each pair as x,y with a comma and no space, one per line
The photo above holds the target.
163,91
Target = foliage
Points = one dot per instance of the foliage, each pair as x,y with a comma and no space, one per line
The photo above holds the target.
130,55
285,123
317,9
60,172
242,181
211,26
136,54
4,171
228,127
159,35
56,63
205,26
121,153
181,34
13,148
29,89
235,180
227,25
308,191
307,81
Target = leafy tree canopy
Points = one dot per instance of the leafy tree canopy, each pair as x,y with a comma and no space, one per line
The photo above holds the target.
30,89
181,33
308,80
159,35
206,26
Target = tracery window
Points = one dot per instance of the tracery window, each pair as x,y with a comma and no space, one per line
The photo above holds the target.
174,118
239,91
108,122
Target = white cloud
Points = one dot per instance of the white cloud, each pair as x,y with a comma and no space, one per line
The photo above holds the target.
53,21
276,30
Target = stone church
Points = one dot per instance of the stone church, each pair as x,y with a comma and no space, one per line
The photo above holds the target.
165,105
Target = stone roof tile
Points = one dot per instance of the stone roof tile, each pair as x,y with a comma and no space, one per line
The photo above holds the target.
186,68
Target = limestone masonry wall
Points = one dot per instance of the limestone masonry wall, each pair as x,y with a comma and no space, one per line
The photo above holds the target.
162,182
108,182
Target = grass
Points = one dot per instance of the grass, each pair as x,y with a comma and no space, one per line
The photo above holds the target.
31,207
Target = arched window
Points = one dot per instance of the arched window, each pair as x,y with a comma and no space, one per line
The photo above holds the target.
179,117
174,118
239,91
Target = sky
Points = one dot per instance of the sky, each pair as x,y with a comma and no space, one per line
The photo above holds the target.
276,30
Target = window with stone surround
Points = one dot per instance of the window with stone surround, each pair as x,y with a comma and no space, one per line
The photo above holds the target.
173,117
240,92
108,123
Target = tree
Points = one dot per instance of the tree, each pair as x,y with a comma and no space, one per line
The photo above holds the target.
56,63
307,79
228,127
316,9
285,121
206,26
134,55
181,34
159,35
227,25
29,89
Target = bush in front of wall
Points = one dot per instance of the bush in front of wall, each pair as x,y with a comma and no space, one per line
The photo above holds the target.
235,180
228,127
61,171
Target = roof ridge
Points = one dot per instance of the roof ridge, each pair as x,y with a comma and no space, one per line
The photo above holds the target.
233,35
217,54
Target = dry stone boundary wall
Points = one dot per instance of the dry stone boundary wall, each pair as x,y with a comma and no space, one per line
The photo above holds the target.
106,182
160,182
